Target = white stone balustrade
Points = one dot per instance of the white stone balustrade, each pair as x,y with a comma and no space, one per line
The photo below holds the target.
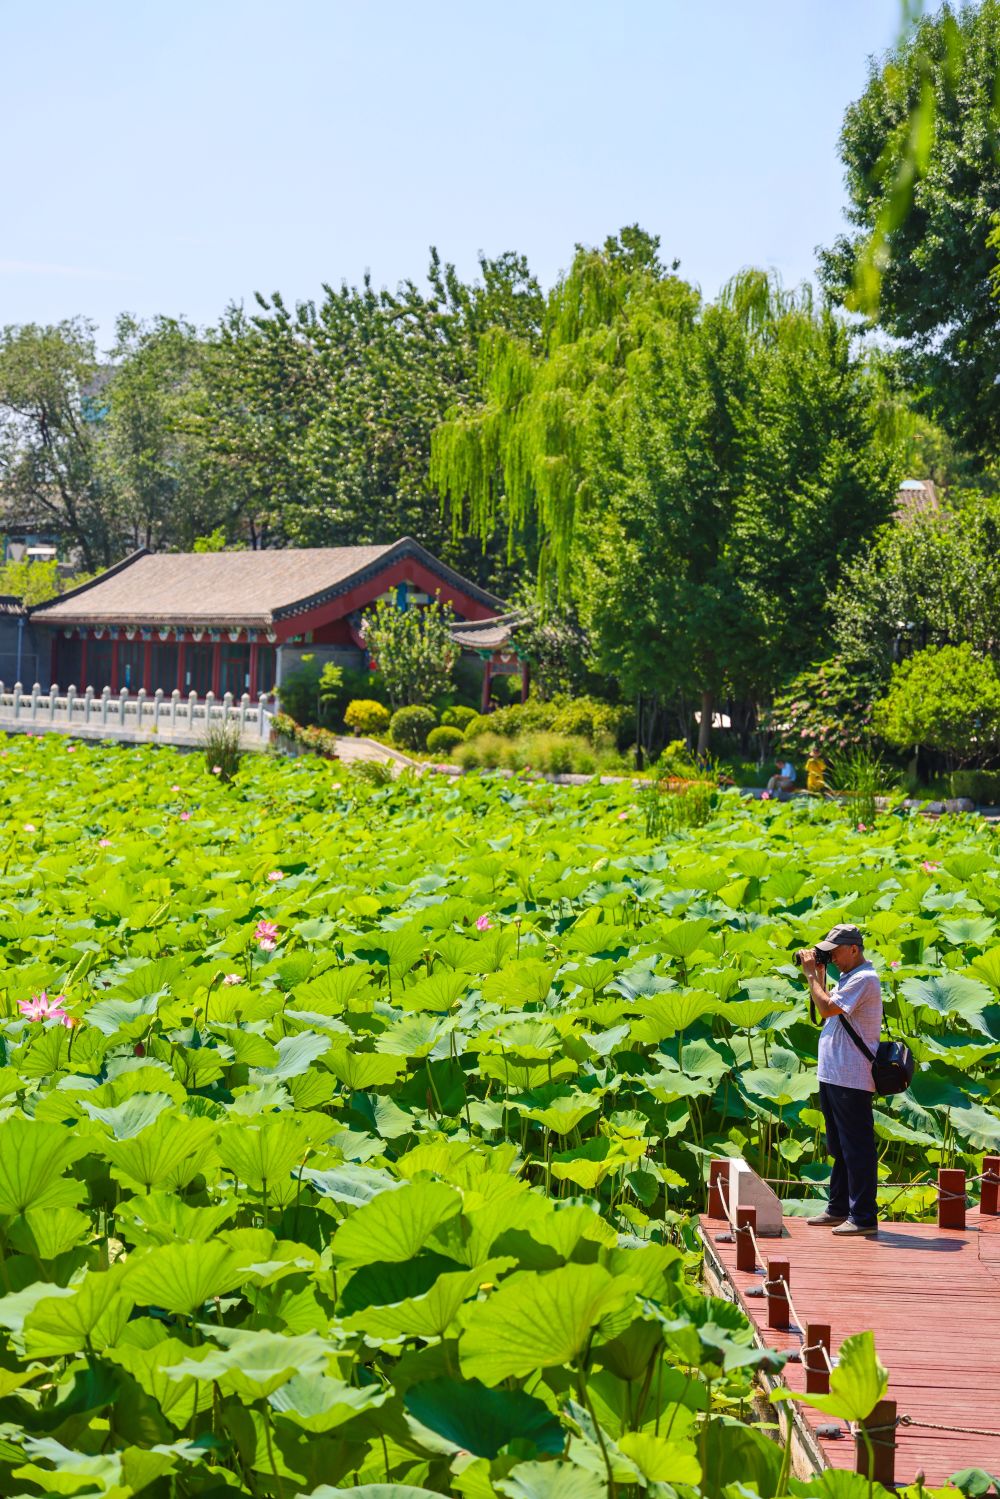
133,717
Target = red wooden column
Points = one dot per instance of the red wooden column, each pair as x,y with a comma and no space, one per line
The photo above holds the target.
487,679
147,665
216,667
254,654
181,648
83,660
114,665
54,660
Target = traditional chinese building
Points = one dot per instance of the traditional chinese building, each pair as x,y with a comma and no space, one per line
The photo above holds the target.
238,621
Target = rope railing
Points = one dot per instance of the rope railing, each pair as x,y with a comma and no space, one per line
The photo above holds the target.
795,1320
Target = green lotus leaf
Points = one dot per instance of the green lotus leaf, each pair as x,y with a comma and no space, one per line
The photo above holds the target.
182,1277
395,1225
537,1321
317,1403
552,1480
364,1069
429,1315
467,1417
254,1364
49,1232
987,966
265,1152
169,1153
857,1384
975,930
948,993
178,1400
33,1158
132,1116
131,1017
91,1317
660,1460
295,1056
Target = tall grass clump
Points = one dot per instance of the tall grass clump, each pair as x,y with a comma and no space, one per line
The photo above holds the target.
222,749
862,777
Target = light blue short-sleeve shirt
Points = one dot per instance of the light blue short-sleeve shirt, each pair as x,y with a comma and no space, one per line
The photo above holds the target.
859,995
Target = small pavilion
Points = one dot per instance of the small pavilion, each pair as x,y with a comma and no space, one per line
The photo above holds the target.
237,622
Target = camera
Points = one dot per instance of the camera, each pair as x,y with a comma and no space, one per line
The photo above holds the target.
819,958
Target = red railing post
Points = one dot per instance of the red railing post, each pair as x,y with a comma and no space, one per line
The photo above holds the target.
777,1276
746,1226
717,1170
951,1198
881,1429
989,1200
815,1338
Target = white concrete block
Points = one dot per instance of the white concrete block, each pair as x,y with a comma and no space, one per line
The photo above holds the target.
746,1190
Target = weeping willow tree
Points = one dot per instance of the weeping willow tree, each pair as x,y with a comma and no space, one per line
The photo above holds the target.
697,473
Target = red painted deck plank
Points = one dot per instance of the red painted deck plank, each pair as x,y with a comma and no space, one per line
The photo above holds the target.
932,1298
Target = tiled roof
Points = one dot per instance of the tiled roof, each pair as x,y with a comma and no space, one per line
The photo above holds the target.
11,604
487,634
225,589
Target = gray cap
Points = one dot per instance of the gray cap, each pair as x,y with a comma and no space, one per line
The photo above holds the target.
840,936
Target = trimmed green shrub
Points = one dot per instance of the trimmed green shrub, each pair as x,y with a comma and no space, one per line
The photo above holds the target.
410,726
480,723
367,716
946,699
458,717
981,786
443,739
589,718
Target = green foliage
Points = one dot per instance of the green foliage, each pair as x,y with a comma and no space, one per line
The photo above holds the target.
459,1104
946,699
982,786
458,717
828,705
411,649
33,582
930,580
443,739
309,691
685,465
367,716
222,749
923,178
863,777
410,726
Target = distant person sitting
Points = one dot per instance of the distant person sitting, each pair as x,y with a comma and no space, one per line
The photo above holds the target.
815,771
784,779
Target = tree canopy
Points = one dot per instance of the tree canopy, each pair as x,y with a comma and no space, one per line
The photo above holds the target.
921,148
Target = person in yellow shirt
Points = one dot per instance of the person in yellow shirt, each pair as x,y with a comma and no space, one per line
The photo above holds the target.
815,771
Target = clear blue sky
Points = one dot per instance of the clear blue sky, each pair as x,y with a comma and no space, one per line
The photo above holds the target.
171,157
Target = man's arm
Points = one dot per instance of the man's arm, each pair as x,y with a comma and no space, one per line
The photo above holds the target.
816,979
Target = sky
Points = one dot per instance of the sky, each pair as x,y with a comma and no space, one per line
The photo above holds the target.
172,158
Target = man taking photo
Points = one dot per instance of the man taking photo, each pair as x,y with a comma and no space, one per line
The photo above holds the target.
846,1087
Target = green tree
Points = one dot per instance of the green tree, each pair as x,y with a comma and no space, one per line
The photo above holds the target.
151,467
412,648
945,699
930,579
49,416
696,473
921,148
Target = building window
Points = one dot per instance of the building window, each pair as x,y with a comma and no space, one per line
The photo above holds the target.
235,672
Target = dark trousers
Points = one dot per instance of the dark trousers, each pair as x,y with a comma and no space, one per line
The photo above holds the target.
850,1140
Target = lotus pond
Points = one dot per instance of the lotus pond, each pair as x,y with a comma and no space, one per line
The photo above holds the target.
350,1136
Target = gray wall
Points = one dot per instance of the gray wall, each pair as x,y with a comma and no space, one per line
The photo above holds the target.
29,654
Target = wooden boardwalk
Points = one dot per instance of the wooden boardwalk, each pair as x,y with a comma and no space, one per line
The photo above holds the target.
932,1298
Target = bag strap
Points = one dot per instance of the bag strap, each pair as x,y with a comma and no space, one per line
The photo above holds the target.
857,1039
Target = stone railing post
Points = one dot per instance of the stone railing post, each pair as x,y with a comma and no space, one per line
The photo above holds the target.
35,694
88,699
209,703
53,694
192,706
18,689
70,695
262,712
140,706
157,706
244,710
122,700
175,698
105,701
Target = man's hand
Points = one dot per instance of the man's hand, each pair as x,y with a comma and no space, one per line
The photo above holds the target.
810,967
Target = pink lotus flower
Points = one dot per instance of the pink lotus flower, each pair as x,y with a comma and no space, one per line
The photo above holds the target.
622,816
232,978
175,788
275,875
896,963
765,796
29,827
104,843
40,1007
862,828
71,749
185,817
265,934
928,867
483,923
217,770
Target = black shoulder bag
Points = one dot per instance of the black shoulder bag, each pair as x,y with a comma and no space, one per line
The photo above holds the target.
892,1062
